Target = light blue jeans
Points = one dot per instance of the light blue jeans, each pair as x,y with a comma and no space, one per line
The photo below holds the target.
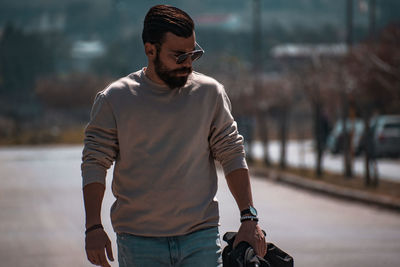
201,248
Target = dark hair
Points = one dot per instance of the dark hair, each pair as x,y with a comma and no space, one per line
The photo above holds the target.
164,18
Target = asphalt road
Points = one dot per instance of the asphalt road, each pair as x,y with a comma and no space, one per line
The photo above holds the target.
42,218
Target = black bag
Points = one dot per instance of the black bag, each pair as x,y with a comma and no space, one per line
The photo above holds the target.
244,256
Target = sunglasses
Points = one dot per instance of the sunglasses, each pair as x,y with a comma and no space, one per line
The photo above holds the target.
195,54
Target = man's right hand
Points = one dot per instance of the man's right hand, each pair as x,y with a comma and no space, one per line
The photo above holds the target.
96,242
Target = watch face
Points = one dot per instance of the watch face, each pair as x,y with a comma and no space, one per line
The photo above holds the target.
250,211
253,211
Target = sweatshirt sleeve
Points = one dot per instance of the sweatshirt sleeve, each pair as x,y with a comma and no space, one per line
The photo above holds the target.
100,143
226,143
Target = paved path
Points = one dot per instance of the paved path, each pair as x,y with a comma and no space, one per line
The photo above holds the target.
41,217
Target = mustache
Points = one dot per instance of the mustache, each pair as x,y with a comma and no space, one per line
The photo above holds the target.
183,70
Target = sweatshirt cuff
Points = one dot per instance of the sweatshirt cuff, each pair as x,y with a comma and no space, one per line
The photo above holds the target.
92,175
234,164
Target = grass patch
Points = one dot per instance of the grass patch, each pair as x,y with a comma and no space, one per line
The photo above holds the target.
73,135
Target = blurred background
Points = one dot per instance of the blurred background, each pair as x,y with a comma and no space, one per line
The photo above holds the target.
315,90
327,71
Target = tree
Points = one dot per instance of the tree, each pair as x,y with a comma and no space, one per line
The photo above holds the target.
23,58
278,93
375,64
318,79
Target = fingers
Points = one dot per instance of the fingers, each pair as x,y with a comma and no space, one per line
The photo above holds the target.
91,257
103,260
96,243
261,246
109,251
252,234
262,249
98,258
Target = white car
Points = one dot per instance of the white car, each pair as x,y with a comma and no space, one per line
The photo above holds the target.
386,135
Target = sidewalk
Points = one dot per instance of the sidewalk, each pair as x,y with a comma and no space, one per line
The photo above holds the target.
322,186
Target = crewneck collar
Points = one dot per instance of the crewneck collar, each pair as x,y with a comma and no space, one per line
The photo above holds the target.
159,87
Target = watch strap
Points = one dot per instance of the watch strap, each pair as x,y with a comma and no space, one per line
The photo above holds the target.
244,212
250,211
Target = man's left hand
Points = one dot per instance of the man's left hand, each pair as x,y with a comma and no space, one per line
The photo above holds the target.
251,233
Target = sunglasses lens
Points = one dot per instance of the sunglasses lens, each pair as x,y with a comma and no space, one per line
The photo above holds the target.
181,58
196,55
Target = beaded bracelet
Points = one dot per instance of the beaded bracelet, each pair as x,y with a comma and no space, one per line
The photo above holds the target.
94,227
248,218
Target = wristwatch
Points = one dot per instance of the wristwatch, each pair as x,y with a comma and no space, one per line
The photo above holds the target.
250,211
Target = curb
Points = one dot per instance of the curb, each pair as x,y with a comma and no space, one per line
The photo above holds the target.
328,189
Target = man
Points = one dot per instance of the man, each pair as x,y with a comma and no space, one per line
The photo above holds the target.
163,126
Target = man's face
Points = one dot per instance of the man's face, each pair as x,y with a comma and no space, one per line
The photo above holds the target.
173,74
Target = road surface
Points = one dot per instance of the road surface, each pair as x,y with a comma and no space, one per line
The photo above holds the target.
42,218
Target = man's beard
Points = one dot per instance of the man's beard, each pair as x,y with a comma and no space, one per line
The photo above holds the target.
169,76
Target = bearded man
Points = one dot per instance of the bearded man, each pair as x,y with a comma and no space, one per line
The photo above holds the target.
163,126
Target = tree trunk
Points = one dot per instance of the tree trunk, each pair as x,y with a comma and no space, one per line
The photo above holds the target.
366,139
262,123
318,138
347,160
283,136
371,166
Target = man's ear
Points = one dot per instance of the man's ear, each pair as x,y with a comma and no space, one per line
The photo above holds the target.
150,50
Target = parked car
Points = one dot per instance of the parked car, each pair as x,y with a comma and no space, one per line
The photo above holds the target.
335,142
386,135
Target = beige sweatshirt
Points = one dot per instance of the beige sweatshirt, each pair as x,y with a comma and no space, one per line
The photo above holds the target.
163,143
